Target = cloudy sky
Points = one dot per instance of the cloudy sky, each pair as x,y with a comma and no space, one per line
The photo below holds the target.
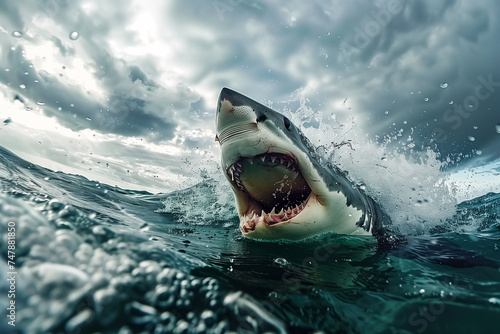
125,92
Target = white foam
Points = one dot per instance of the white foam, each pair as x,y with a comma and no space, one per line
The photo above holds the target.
206,202
408,183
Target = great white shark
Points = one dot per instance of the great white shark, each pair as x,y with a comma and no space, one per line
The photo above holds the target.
282,191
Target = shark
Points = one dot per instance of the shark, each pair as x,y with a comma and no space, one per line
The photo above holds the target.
282,190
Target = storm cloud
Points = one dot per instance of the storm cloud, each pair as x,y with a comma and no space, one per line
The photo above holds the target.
425,71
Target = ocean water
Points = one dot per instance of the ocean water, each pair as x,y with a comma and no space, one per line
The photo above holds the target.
91,258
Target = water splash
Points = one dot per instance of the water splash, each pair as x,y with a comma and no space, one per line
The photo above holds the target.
209,202
408,183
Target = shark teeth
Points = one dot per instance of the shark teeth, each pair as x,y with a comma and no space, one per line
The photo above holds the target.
235,170
250,221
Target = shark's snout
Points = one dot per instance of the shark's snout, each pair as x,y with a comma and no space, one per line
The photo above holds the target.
234,119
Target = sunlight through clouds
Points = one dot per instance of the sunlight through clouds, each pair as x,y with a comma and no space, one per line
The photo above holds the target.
149,73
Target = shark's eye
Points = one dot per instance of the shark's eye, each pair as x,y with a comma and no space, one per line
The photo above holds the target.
261,118
287,123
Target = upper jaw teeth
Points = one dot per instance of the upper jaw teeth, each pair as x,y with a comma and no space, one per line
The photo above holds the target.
234,171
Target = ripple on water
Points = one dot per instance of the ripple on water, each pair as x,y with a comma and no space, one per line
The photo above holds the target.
65,269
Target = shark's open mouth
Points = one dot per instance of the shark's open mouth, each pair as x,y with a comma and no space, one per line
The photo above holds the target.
275,191
282,189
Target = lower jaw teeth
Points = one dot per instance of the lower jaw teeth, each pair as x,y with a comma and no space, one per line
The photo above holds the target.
251,220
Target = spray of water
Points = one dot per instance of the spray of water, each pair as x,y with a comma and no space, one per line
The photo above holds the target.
409,183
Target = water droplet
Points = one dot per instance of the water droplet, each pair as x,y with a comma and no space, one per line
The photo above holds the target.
40,103
281,261
74,35
497,127
88,119
22,86
479,152
451,102
475,127
387,112
471,138
328,34
426,99
17,34
443,85
422,290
